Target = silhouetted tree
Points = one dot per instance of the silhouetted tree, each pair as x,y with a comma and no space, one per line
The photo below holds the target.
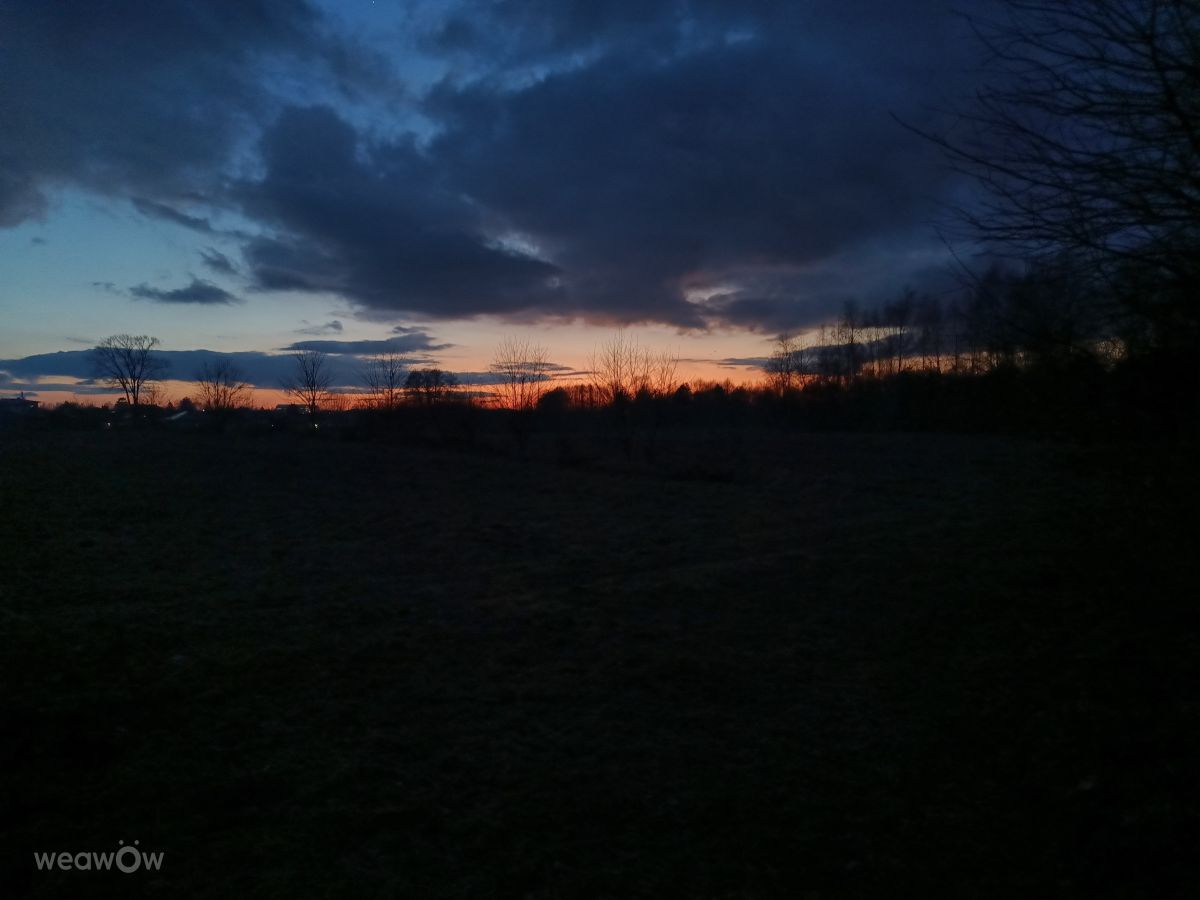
555,401
616,368
586,395
129,362
1047,314
849,340
930,324
622,369
1087,143
521,368
956,334
338,401
782,367
430,386
153,394
992,339
897,319
221,386
311,380
664,367
385,376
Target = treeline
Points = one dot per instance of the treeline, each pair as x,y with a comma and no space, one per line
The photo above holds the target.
1046,318
1083,398
1047,349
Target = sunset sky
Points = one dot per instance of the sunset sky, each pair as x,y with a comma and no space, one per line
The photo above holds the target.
248,176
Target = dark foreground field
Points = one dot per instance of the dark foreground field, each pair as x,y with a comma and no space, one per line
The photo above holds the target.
854,666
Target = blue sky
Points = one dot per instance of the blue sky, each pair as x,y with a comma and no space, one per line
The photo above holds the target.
240,176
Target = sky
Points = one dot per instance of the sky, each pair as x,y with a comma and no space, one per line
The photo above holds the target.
251,176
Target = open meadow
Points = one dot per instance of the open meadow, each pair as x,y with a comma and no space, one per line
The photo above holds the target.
801,666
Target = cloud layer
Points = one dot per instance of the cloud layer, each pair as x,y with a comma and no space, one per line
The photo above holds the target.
346,362
694,162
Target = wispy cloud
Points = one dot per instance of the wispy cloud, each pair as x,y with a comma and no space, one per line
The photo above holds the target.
333,326
198,292
218,261
156,210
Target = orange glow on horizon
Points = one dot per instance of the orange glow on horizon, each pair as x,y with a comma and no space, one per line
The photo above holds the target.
172,391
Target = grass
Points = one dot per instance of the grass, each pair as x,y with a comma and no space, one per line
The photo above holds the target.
859,666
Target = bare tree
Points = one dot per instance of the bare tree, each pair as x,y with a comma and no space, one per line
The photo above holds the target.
782,368
621,369
930,318
311,380
222,387
897,318
1087,143
612,365
664,366
956,322
338,401
848,338
129,362
616,365
521,368
153,394
385,377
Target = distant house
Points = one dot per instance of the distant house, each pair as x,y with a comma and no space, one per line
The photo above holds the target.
17,405
292,409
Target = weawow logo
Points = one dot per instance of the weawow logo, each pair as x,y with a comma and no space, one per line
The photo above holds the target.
127,858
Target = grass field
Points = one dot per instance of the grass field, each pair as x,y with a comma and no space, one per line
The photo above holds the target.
872,666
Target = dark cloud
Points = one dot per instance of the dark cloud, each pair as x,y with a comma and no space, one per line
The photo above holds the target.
378,224
698,163
198,292
489,378
218,261
741,362
912,39
331,327
263,370
694,162
150,100
64,363
39,388
791,298
514,34
409,343
645,179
